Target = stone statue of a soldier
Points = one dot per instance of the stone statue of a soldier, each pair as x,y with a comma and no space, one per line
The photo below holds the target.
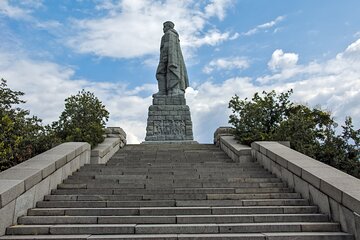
171,73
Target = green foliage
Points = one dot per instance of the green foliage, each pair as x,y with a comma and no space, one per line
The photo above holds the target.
21,136
257,120
305,128
83,119
312,131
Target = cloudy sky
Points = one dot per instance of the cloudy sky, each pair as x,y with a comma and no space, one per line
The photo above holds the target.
53,49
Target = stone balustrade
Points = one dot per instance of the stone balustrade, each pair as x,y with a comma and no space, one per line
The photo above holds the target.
115,139
336,193
27,183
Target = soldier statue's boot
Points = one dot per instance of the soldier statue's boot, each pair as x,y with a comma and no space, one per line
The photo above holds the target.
159,93
162,89
176,92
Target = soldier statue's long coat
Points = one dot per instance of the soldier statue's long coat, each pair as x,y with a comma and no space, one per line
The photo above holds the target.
171,67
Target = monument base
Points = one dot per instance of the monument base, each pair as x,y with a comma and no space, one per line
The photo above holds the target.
169,120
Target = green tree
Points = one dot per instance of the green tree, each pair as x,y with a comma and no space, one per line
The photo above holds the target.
257,119
312,131
21,136
83,119
305,128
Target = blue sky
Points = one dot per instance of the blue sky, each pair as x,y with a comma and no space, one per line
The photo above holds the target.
53,49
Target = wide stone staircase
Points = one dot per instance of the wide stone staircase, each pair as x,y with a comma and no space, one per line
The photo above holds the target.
189,191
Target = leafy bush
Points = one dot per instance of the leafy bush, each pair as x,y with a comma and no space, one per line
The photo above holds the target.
83,119
312,131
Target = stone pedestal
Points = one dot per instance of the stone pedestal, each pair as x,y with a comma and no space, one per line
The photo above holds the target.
169,120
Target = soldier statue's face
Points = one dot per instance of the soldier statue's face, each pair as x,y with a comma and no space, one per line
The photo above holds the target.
166,28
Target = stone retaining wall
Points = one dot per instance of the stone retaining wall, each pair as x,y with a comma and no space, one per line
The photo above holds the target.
27,183
336,193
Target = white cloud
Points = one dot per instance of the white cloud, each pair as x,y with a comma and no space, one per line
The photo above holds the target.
264,26
23,11
334,84
13,11
46,85
208,103
212,38
134,28
280,60
226,64
217,8
32,3
352,50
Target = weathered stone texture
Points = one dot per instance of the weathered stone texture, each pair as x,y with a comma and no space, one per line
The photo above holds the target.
169,119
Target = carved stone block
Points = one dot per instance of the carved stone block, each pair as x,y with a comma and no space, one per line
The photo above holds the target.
169,119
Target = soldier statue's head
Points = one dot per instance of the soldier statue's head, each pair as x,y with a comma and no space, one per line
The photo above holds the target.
168,25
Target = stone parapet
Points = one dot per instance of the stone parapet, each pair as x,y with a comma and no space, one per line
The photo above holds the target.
222,131
115,139
336,193
116,132
27,183
105,150
237,152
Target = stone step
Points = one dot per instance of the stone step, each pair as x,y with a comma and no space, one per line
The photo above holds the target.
253,196
215,236
148,167
258,202
190,190
203,190
158,180
67,229
176,159
167,188
172,219
264,190
223,196
199,173
174,166
96,191
234,170
102,204
169,185
147,211
93,198
169,203
38,220
237,228
178,166
244,184
169,177
178,193
193,196
252,218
